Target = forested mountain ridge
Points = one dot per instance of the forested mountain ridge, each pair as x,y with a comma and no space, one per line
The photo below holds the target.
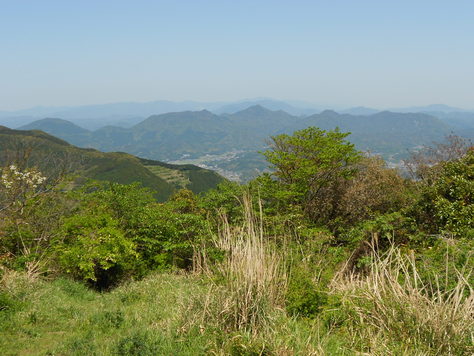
225,142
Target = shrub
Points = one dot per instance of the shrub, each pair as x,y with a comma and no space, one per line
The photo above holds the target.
93,244
374,189
302,297
445,260
30,210
446,205
308,164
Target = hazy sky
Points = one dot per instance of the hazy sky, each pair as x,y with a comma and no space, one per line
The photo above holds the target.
335,53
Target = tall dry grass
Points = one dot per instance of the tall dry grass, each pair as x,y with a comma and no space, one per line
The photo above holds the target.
393,300
251,280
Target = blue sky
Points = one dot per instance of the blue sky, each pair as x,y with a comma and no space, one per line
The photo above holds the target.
332,53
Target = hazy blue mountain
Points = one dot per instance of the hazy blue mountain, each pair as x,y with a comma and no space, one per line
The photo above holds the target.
123,109
16,121
111,138
270,104
457,119
359,110
174,136
429,108
259,123
387,133
462,122
64,129
96,116
127,114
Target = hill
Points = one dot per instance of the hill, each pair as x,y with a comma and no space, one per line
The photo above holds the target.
67,130
50,154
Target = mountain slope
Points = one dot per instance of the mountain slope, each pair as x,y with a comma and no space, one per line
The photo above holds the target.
170,136
50,154
386,133
61,128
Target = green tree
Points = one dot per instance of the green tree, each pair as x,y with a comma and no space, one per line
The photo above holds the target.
309,165
95,249
447,205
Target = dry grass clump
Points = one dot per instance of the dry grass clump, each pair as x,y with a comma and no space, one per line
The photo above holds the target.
251,280
395,300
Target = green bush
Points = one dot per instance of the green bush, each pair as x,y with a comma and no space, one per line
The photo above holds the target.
302,297
93,244
446,205
244,345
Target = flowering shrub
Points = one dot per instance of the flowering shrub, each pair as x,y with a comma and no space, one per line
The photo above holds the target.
17,185
13,177
26,218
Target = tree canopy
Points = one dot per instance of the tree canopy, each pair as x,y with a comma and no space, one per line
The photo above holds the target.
311,160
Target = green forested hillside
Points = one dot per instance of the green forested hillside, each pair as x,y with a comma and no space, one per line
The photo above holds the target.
51,154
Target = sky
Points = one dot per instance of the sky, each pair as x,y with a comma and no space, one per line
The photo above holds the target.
333,53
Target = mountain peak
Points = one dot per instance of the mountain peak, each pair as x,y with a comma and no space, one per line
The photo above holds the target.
51,125
329,113
255,109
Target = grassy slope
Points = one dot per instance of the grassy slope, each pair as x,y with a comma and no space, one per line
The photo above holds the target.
155,316
185,176
65,318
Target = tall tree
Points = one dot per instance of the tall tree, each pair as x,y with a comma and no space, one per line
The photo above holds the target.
309,164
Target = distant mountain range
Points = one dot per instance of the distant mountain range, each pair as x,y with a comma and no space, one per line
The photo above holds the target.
229,142
93,117
49,152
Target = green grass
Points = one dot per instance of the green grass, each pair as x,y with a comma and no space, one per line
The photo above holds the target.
167,314
188,176
63,317
160,315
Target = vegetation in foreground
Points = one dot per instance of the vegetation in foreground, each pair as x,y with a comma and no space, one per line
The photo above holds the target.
332,254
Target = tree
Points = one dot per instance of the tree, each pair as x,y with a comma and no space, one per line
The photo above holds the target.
310,164
447,205
424,164
375,189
